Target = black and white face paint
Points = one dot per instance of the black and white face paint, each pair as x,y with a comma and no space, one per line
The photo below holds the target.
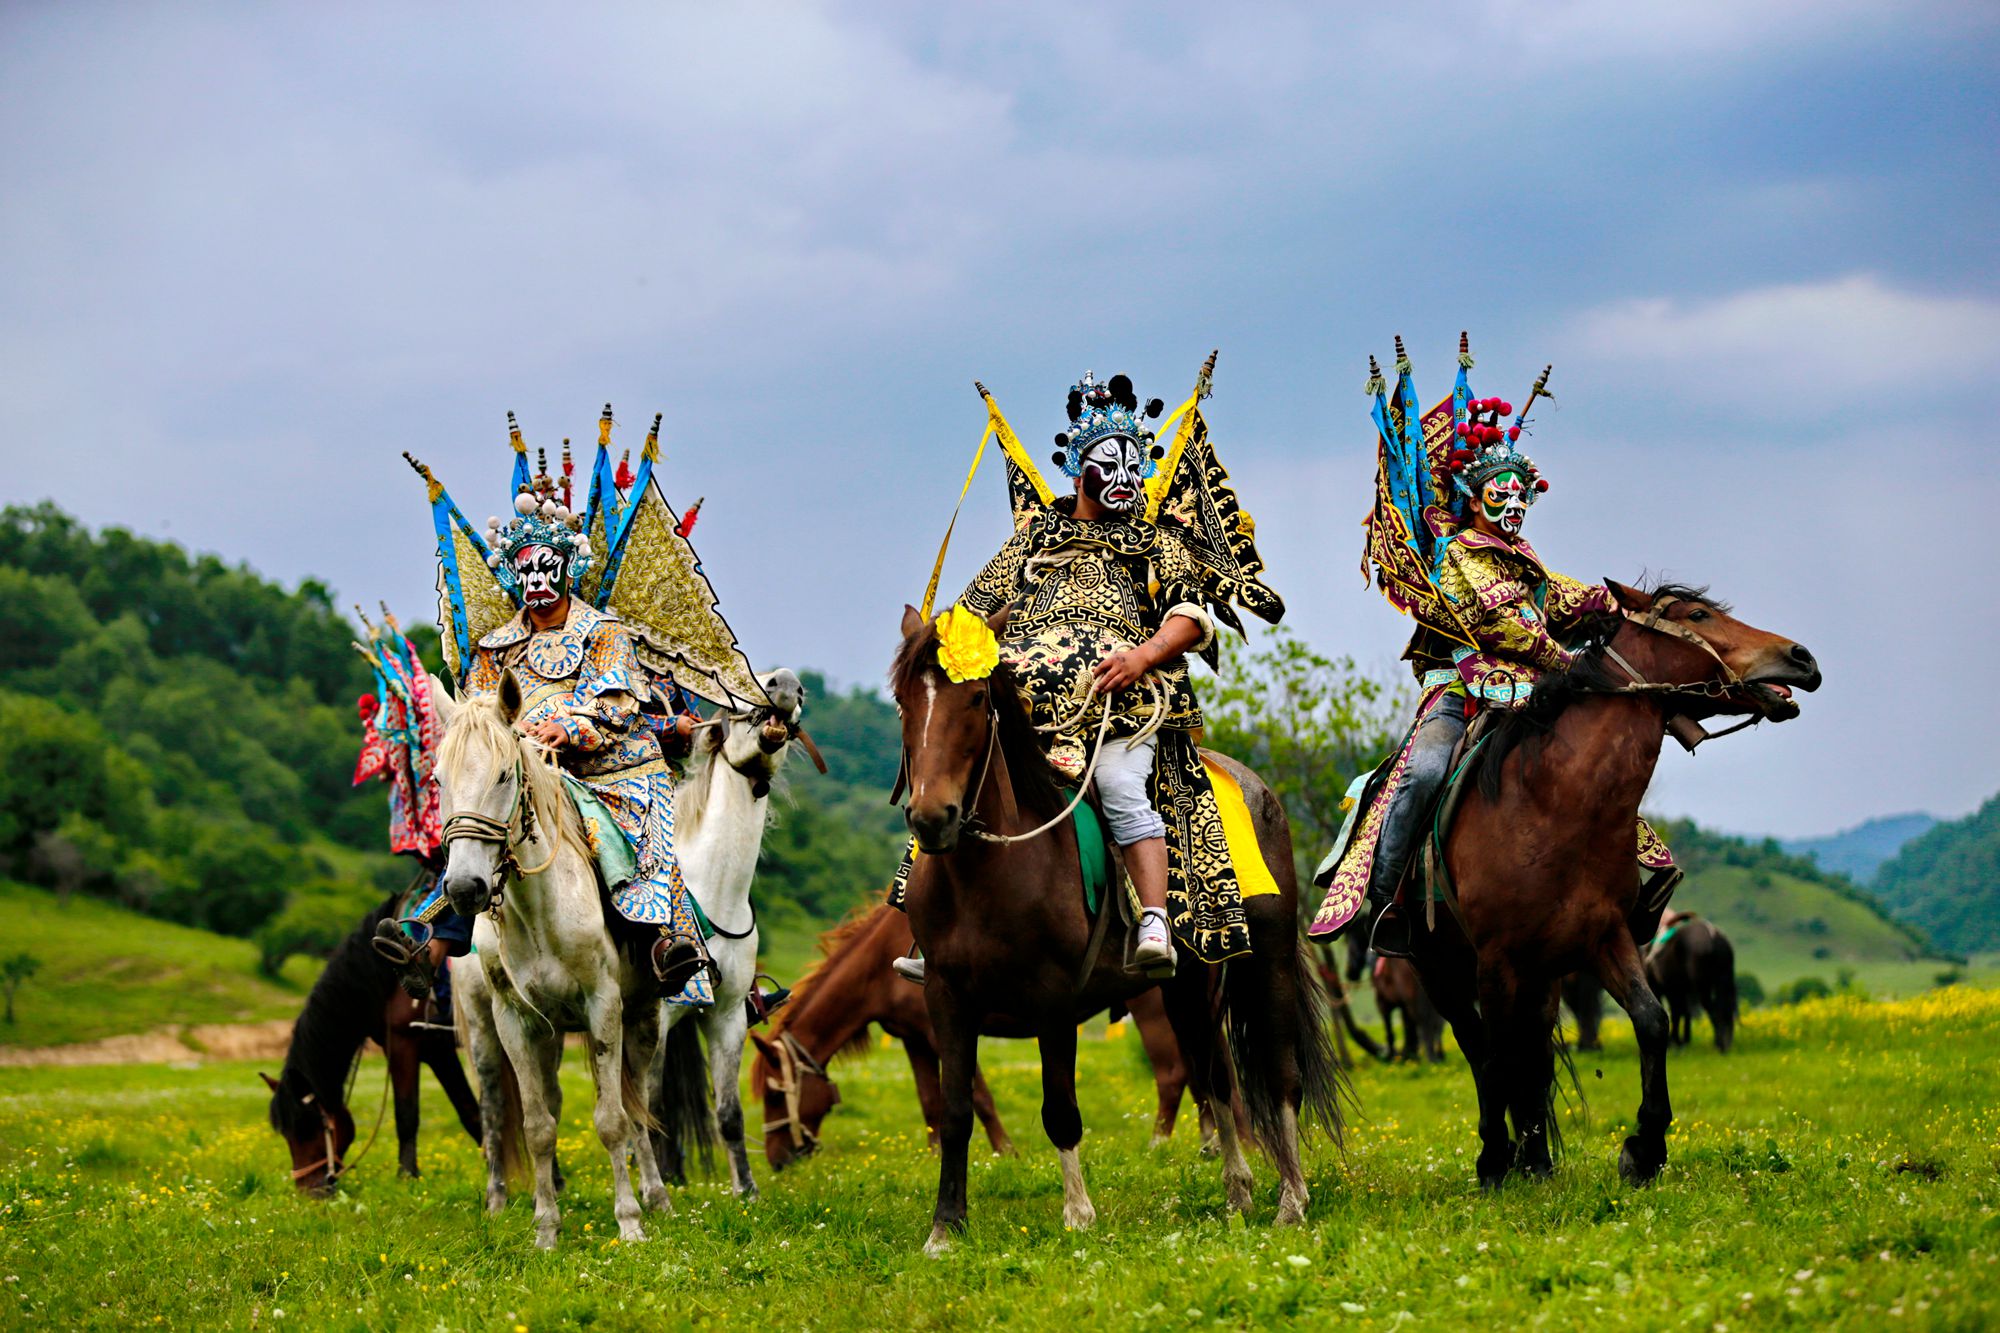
1114,473
541,573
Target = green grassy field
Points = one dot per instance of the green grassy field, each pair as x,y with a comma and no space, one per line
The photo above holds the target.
1838,1169
107,971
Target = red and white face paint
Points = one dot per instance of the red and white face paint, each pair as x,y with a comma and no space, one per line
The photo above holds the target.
541,573
1504,502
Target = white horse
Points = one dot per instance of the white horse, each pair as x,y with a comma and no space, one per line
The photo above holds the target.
559,969
719,816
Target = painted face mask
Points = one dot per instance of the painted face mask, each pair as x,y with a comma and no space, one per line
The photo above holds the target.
1114,473
541,573
1504,501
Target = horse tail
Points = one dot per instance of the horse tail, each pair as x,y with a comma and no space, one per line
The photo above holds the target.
513,1130
682,1113
1248,995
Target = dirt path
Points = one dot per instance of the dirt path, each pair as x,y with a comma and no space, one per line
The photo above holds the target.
174,1044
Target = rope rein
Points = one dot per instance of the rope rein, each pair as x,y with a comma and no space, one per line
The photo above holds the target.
1152,724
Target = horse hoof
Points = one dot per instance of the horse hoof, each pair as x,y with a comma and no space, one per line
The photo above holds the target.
748,1193
939,1243
1079,1217
1158,1141
632,1234
496,1201
545,1239
1239,1195
1291,1209
1637,1165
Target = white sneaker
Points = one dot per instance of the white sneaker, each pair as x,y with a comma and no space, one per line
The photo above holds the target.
1154,955
909,969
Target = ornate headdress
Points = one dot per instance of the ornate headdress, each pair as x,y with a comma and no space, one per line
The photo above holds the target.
669,607
542,518
1485,450
1097,411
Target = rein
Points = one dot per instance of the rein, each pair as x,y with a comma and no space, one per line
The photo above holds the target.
792,1058
517,829
1686,730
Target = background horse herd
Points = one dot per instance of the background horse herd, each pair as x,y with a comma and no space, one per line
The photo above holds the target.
1542,887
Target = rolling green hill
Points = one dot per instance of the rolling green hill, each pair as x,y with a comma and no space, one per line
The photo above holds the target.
1788,919
107,970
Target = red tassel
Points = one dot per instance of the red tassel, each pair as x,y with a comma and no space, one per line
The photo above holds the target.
1513,432
366,706
687,519
1542,484
624,478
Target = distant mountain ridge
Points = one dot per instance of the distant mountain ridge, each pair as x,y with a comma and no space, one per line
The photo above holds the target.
1859,852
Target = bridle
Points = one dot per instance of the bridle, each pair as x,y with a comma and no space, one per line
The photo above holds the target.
517,829
1682,728
793,1062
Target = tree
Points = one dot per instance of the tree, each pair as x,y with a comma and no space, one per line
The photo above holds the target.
1306,723
13,971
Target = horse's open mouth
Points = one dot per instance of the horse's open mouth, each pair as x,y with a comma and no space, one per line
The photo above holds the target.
1773,699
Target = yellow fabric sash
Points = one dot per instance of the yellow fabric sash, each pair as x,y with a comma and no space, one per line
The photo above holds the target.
1253,877
1156,489
996,426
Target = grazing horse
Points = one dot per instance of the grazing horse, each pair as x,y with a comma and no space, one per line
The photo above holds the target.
1542,879
831,1009
509,821
1398,990
1006,939
355,1000
1691,966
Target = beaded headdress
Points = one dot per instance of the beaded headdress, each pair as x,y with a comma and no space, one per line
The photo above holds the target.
1098,411
1483,450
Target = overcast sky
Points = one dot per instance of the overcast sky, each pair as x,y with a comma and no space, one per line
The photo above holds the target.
250,253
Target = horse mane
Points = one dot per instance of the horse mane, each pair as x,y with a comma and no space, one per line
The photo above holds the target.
1527,728
856,923
551,804
1035,784
340,1011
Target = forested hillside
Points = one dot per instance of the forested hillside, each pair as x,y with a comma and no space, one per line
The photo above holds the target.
1860,851
178,735
1948,881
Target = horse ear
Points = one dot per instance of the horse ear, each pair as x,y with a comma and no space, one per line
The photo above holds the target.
510,697
1630,599
764,1047
269,1082
913,620
442,699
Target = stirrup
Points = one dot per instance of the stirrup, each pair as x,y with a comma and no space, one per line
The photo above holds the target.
1396,944
400,943
671,969
761,1003
910,968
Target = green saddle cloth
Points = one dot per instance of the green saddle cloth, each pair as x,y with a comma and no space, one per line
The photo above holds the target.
1093,852
616,861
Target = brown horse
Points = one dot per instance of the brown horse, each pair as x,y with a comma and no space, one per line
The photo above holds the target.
1005,935
1398,990
1692,966
1541,857
357,1000
830,1012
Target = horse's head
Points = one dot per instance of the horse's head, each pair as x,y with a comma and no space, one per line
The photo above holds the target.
1767,666
755,743
797,1100
317,1135
947,736
481,768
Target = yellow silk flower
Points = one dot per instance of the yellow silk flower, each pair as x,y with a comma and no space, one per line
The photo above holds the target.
967,649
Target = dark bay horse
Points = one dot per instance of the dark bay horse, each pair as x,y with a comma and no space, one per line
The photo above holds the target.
1692,966
1542,858
355,1000
1398,991
830,1012
1005,936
